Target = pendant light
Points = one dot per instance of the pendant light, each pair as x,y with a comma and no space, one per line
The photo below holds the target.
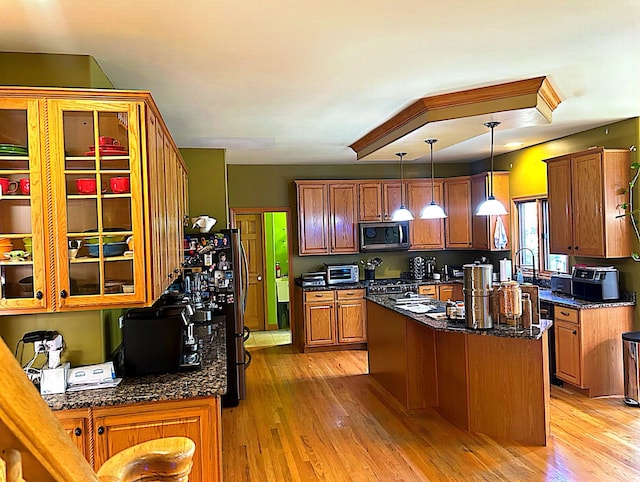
491,207
432,211
402,213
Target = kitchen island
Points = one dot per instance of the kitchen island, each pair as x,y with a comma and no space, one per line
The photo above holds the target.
492,381
103,422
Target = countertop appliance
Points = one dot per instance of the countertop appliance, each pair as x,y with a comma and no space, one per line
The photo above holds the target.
222,287
316,278
595,283
389,236
342,273
561,283
153,341
391,286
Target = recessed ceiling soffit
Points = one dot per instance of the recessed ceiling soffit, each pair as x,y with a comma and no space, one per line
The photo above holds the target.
457,116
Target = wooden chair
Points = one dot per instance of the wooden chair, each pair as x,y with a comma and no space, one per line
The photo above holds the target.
34,445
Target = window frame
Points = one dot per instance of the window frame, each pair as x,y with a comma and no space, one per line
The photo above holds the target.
542,245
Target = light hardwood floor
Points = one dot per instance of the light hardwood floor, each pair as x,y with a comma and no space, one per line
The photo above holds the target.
318,416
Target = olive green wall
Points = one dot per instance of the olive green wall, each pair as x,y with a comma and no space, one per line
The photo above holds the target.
52,70
207,184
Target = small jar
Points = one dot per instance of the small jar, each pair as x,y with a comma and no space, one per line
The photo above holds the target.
510,301
450,309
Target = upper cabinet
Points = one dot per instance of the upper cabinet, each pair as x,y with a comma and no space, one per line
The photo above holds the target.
585,190
457,201
77,216
425,234
329,212
327,217
486,229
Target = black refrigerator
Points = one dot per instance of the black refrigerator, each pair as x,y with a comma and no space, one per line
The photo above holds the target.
238,358
222,283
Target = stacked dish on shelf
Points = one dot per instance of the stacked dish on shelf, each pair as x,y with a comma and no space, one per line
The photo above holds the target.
13,150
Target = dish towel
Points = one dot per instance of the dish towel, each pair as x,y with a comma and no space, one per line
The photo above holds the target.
500,235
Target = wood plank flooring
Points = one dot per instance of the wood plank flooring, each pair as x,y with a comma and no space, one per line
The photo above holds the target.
318,417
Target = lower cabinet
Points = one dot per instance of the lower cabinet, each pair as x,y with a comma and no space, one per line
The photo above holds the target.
330,319
442,292
114,428
589,347
76,424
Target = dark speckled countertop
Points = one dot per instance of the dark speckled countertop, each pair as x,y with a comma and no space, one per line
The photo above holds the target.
443,325
363,284
570,302
211,380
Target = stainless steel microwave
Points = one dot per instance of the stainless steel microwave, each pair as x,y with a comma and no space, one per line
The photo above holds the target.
389,236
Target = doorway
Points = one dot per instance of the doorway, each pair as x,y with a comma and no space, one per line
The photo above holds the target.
266,236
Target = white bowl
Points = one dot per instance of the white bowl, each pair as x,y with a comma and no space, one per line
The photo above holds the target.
128,288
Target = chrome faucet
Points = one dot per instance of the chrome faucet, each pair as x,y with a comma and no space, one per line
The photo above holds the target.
533,260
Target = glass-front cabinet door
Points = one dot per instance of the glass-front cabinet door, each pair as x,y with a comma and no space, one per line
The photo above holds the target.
23,240
97,193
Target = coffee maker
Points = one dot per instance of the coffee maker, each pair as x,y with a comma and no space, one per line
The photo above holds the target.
160,339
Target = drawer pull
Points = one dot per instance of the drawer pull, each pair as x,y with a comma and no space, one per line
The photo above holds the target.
574,332
100,430
77,432
565,313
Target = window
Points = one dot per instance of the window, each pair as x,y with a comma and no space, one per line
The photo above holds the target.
532,228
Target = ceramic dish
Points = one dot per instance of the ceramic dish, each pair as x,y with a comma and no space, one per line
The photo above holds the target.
108,249
13,150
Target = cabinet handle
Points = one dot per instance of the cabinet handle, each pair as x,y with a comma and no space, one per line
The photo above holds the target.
39,295
77,432
565,313
574,332
170,275
63,294
176,270
319,296
100,430
568,247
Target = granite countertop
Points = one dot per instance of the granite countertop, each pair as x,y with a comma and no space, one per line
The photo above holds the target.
569,301
211,380
502,329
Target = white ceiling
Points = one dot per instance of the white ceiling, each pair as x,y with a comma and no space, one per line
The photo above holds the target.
295,81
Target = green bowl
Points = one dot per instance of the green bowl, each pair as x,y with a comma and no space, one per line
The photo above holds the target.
28,245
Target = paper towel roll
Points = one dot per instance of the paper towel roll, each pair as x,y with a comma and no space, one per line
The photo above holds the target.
505,270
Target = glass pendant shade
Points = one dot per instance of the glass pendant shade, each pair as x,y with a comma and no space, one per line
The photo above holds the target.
491,207
402,213
432,210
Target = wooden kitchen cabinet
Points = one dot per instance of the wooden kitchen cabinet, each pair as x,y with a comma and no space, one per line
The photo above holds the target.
118,427
327,217
379,199
588,347
370,201
425,234
86,241
330,319
457,205
443,292
428,290
351,313
584,192
76,423
391,198
484,227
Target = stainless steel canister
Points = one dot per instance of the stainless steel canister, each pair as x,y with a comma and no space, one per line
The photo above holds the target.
477,290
